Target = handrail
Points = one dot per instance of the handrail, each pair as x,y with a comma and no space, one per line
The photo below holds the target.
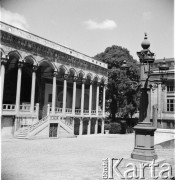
68,110
77,111
100,112
58,110
9,107
68,123
34,126
93,112
25,107
86,111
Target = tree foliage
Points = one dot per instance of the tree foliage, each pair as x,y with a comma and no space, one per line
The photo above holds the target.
121,97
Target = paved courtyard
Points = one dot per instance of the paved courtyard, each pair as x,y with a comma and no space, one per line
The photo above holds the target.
67,158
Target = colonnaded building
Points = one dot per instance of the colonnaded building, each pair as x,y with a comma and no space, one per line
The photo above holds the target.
48,89
163,95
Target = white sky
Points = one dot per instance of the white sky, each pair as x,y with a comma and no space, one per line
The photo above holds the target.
89,26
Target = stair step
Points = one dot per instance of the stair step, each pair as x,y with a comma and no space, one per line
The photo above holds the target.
20,137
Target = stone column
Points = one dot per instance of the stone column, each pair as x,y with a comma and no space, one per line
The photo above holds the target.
97,98
159,96
90,98
18,90
104,97
96,126
3,63
89,126
102,126
82,97
48,109
164,98
64,94
74,96
81,126
54,88
37,110
32,99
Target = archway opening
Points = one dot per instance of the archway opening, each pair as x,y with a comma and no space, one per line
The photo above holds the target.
10,81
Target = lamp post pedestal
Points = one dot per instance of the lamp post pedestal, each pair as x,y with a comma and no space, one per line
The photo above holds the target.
144,142
144,130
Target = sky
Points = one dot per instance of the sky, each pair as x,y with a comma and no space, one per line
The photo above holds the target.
90,26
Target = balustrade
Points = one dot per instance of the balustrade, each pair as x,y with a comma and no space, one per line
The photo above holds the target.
68,122
68,111
100,112
93,112
86,112
77,111
9,107
58,110
25,107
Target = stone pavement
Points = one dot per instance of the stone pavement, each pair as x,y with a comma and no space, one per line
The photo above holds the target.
67,158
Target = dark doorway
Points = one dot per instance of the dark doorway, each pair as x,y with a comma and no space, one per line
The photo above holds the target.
53,130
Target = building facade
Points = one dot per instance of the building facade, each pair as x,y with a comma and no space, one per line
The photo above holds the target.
48,89
163,95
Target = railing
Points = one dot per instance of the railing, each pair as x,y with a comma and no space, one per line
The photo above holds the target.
93,112
78,111
67,122
24,107
68,111
9,107
58,110
100,112
86,112
37,124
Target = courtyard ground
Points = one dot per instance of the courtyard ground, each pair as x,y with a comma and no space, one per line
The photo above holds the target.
68,158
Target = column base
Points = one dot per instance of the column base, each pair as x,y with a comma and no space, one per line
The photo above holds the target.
144,142
144,154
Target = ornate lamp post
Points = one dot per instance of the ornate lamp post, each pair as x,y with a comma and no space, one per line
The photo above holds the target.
144,130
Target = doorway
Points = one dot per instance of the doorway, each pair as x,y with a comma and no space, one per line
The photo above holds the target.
53,130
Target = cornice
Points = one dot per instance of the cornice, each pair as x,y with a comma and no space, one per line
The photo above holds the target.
34,38
52,55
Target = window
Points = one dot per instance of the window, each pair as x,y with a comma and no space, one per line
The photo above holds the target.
170,89
170,105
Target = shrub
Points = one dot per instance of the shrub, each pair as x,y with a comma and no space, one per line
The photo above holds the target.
115,128
107,127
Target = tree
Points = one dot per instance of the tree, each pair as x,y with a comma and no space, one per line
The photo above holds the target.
121,98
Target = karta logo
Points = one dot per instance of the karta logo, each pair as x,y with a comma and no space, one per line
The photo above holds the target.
111,168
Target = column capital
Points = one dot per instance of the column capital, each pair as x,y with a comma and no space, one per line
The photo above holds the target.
98,83
4,60
65,76
20,64
104,85
34,68
83,81
90,82
55,73
75,78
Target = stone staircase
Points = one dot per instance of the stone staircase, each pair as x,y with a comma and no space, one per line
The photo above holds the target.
42,126
22,133
26,132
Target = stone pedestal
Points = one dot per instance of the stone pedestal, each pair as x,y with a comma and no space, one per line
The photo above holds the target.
144,142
